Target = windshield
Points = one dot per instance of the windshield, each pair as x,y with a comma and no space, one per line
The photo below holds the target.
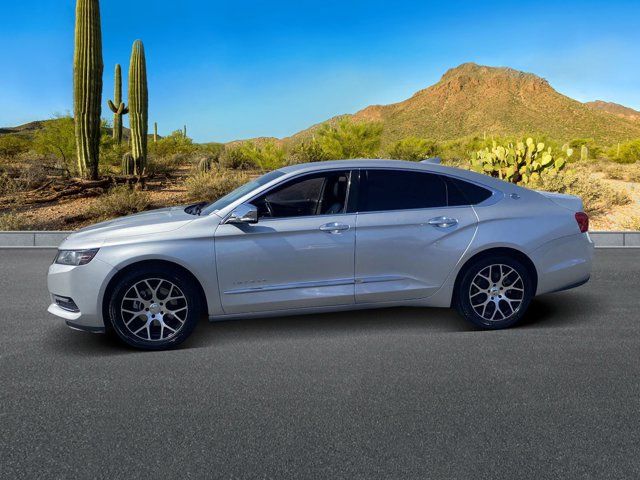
239,192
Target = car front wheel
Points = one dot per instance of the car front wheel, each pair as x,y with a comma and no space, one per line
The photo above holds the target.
154,309
494,292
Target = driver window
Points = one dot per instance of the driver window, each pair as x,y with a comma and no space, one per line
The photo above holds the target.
318,194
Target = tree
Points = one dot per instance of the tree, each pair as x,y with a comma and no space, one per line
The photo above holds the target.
350,139
413,148
57,138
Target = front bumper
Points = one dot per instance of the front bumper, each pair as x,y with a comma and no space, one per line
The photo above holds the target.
85,285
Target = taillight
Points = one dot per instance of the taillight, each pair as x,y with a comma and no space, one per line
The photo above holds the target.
583,221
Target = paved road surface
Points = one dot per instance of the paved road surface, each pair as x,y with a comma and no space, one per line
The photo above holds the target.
398,393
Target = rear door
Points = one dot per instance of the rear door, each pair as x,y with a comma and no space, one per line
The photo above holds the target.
409,234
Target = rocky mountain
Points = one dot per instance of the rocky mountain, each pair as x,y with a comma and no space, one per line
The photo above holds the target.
616,109
474,100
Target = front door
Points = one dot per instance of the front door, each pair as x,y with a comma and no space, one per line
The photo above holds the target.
409,236
300,254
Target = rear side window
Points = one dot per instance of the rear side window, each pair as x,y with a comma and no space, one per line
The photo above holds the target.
383,190
465,193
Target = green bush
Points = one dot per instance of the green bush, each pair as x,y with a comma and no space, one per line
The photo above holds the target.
593,149
58,138
306,151
121,200
209,186
413,148
172,144
350,139
12,145
626,152
267,155
235,157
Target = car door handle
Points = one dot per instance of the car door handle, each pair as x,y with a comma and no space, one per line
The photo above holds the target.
334,227
443,222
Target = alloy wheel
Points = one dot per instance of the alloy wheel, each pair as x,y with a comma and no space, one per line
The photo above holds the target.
496,292
154,309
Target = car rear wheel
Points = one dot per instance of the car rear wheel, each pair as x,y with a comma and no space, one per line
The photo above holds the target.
155,309
494,292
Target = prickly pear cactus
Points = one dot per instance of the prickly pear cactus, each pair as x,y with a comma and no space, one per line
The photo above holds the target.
520,163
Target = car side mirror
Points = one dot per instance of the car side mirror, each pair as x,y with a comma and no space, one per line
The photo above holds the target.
245,213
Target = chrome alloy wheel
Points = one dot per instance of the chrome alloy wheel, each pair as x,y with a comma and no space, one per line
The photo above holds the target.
154,309
496,292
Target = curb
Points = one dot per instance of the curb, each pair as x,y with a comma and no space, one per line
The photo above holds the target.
51,239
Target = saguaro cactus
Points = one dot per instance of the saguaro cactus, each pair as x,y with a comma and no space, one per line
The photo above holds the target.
128,164
184,131
87,86
117,106
138,106
155,132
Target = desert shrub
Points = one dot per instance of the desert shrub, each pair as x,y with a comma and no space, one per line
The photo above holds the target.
594,150
596,196
350,139
632,223
12,221
8,184
209,186
121,200
617,171
57,138
235,157
111,152
171,145
11,146
413,148
266,155
626,152
306,151
167,165
34,174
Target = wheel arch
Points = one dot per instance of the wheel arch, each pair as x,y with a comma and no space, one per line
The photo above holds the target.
490,252
148,264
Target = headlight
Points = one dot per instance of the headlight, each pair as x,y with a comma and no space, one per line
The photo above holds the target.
75,257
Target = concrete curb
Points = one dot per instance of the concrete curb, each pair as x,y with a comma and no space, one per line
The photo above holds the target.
51,239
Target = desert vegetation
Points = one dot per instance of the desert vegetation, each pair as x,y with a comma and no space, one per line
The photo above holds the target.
73,170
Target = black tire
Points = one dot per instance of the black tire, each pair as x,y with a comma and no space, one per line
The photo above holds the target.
507,304
160,326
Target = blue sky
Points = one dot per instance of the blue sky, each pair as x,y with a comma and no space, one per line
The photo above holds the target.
241,69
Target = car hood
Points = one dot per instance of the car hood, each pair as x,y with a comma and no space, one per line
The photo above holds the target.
146,223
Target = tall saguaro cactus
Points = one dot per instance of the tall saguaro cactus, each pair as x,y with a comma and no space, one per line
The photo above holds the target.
117,106
87,86
138,106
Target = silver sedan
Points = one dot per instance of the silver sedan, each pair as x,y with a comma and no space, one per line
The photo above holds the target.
320,237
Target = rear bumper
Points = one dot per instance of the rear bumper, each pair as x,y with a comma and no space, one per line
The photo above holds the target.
563,263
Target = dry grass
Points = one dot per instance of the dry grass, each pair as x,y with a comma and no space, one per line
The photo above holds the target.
12,221
597,197
209,186
120,201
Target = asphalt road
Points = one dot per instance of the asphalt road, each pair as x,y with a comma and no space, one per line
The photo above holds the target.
400,393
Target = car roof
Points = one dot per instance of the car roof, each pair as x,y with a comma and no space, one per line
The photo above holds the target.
399,164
